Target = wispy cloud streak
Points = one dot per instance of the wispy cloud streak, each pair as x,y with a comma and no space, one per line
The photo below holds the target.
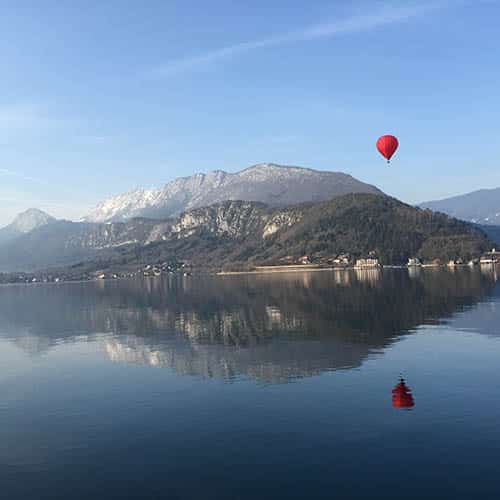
359,23
18,175
23,117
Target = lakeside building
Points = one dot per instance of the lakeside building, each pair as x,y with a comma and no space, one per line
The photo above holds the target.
343,259
366,263
491,257
488,260
455,262
414,261
305,259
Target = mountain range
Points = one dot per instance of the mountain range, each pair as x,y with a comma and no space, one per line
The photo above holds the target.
480,207
35,240
274,185
319,214
239,235
236,235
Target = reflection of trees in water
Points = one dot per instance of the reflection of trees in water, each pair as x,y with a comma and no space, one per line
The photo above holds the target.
270,327
272,361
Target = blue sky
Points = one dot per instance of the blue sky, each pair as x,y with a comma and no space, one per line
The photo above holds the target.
99,97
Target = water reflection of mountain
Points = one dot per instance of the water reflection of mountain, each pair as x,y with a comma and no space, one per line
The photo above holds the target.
270,327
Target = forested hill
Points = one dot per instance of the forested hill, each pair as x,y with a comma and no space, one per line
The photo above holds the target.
240,235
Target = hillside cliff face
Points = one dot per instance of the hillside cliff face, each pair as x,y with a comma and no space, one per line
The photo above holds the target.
234,219
274,185
243,234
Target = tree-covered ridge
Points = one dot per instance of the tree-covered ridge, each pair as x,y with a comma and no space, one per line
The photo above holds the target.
239,235
394,231
235,235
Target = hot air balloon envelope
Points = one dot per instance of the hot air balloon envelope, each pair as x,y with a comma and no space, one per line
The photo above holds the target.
387,145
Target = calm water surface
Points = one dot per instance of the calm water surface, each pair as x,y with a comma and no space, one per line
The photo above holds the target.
252,387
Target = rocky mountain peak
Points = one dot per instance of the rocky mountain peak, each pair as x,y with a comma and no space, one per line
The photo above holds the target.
269,183
30,219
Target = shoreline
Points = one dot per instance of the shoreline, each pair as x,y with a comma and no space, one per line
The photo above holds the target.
304,269
260,271
298,269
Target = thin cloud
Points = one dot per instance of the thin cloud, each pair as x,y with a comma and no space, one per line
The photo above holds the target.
12,173
94,138
359,23
23,117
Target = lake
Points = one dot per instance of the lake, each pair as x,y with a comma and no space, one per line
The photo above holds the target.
253,387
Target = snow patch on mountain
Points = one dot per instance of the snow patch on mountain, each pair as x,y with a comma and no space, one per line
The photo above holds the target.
275,185
30,219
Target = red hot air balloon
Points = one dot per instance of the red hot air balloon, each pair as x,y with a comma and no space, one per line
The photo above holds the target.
402,396
387,145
